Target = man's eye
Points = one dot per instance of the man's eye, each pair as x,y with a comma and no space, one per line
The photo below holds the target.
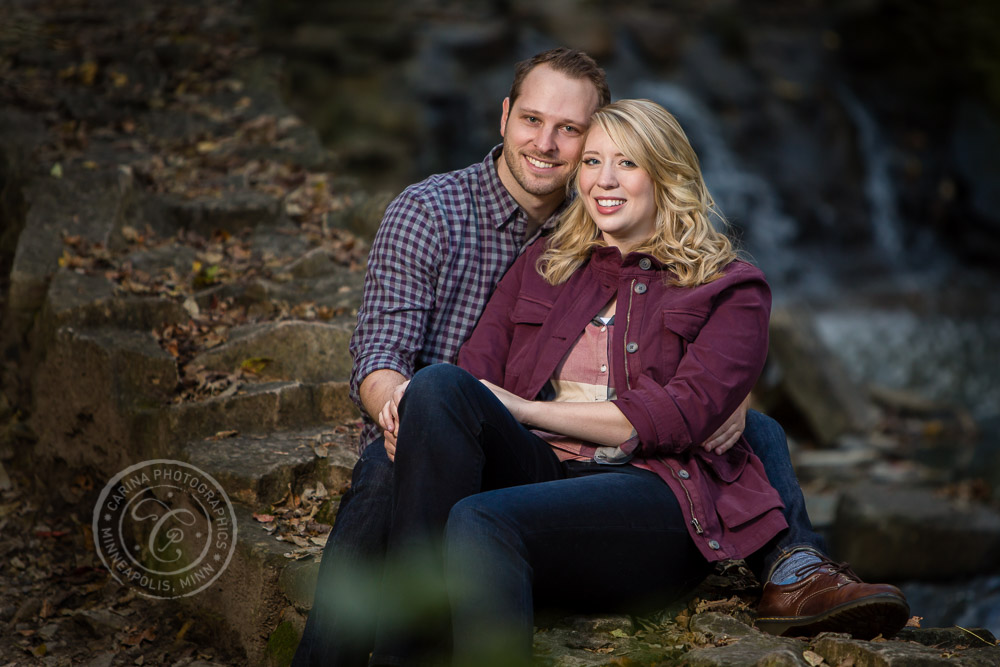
569,129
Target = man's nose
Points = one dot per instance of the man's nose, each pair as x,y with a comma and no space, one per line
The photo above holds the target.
545,139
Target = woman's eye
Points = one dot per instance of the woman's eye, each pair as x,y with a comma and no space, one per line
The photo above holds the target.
590,161
628,163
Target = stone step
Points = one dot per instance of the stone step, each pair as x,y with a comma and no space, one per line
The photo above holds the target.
86,391
84,203
262,593
83,300
306,351
259,469
261,408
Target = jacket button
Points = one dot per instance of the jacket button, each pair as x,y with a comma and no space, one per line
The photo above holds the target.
640,289
683,474
712,544
644,264
632,347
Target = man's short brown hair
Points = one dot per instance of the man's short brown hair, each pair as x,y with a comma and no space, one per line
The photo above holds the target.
572,62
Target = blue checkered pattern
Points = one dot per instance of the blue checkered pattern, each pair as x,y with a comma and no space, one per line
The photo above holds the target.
442,247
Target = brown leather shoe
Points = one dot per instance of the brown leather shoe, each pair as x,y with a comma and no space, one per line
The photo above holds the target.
831,598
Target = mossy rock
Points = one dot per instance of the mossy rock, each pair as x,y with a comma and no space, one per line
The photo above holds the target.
281,645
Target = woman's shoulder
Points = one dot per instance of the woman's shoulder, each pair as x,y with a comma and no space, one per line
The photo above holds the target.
740,270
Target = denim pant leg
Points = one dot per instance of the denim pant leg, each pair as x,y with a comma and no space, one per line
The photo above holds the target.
767,439
615,540
455,439
337,632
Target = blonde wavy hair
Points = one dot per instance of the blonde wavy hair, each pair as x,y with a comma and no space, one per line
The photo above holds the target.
685,239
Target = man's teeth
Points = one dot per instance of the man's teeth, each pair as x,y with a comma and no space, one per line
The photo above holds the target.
610,202
539,163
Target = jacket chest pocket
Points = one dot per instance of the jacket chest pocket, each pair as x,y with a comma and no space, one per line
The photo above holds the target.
680,328
527,315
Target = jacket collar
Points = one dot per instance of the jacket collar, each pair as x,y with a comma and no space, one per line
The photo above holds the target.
607,260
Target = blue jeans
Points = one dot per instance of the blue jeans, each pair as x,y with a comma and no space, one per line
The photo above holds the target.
603,539
767,439
335,633
360,535
515,515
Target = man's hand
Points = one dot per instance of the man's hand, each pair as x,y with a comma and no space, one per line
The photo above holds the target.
729,433
388,419
376,390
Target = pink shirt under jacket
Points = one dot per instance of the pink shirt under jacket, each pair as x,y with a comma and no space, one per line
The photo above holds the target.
685,359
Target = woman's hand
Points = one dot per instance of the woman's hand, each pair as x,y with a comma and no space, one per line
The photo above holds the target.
388,419
729,433
514,403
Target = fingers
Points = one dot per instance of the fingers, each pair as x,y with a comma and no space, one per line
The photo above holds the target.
727,443
387,417
723,439
390,446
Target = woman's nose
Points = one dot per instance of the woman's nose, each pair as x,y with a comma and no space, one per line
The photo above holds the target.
607,178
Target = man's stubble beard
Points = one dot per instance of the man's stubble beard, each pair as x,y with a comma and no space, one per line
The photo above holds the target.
534,186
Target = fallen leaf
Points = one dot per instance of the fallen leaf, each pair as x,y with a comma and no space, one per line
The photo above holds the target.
255,365
224,434
184,628
263,518
914,621
137,638
88,72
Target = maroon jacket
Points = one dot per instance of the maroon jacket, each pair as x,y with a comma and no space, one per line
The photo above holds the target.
686,357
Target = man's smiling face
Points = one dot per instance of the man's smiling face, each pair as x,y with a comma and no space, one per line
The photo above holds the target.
543,133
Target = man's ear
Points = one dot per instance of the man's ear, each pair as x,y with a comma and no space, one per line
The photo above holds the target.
503,118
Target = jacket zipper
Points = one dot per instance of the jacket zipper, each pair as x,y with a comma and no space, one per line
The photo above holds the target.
694,521
628,321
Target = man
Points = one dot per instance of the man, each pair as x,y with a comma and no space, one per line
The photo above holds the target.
443,245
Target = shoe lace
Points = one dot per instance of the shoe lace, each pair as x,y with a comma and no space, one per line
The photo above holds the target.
832,567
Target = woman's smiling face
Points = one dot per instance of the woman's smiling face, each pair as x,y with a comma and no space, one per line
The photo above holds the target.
616,192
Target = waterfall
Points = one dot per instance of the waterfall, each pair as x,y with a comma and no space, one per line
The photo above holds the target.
746,198
887,227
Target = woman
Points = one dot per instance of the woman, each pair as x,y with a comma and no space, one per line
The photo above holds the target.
628,336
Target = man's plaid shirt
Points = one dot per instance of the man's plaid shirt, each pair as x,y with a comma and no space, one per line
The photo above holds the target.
441,249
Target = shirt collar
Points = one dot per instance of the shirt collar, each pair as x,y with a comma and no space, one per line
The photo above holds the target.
496,202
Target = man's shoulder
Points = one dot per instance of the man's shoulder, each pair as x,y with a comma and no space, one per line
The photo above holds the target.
457,187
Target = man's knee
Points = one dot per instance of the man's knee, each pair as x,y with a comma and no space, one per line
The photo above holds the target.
439,381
